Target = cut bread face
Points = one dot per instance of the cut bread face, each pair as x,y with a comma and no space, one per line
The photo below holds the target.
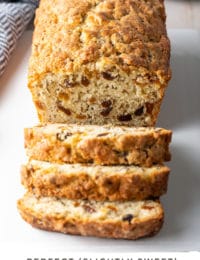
127,220
94,182
104,145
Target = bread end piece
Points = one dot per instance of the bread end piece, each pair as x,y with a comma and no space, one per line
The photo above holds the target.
148,222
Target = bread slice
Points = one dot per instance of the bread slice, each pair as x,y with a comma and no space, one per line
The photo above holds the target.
128,220
106,145
94,182
99,62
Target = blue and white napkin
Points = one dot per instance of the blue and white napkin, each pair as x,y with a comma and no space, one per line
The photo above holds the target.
14,17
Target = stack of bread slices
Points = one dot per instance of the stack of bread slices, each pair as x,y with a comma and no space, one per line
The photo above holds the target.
98,73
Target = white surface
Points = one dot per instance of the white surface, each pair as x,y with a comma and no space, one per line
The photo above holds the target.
183,13
180,112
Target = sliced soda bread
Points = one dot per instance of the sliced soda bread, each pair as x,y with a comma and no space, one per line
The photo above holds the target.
105,145
127,220
94,182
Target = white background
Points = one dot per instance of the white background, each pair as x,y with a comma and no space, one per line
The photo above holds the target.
183,13
180,112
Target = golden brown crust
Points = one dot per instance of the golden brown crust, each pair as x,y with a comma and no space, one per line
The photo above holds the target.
94,183
129,33
148,226
64,143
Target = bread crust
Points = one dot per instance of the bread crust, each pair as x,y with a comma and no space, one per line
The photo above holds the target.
139,228
105,183
106,145
138,26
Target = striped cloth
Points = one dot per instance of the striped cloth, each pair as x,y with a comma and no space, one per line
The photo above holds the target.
14,17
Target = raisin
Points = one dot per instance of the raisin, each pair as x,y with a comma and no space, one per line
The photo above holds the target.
153,198
92,100
120,153
52,180
85,81
126,117
106,111
147,207
112,208
68,150
62,136
149,107
108,182
76,204
80,116
63,96
69,226
139,111
102,134
106,103
39,105
63,109
107,76
89,209
128,217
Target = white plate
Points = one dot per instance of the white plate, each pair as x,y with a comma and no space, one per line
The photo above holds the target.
180,112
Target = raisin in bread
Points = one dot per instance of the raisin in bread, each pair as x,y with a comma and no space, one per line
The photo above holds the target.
107,145
94,182
127,220
99,62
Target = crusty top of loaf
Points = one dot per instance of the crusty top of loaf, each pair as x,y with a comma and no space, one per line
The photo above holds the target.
102,33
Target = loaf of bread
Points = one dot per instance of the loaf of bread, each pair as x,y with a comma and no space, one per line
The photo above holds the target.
128,220
106,145
94,182
99,62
